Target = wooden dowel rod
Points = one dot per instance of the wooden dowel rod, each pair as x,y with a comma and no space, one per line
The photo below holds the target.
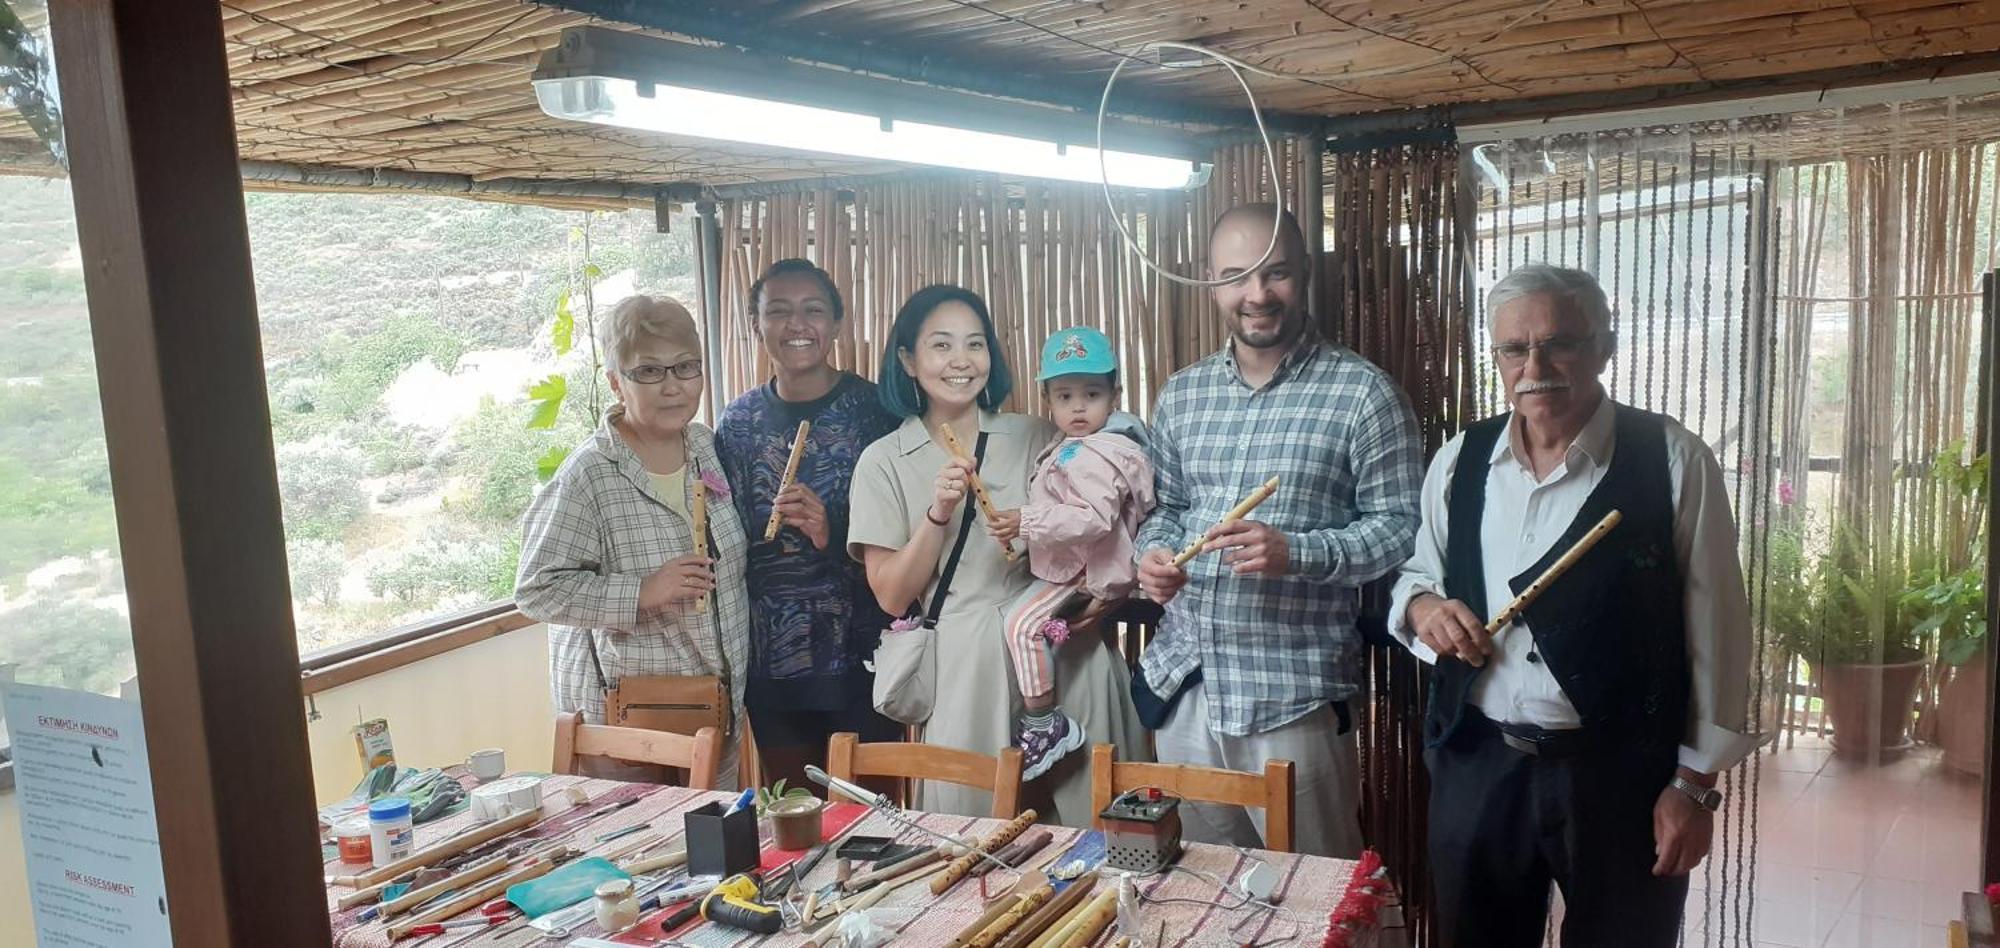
416,897
439,850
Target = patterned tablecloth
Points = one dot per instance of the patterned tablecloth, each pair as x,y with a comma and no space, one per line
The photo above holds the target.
1319,901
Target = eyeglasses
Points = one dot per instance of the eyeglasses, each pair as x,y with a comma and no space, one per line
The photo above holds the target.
1562,350
650,374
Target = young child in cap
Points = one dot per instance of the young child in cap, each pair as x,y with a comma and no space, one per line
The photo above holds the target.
1089,494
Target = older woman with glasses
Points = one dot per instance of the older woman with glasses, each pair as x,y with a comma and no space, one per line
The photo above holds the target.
609,557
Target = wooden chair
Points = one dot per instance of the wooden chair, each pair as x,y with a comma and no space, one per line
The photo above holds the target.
699,754
1271,791
848,759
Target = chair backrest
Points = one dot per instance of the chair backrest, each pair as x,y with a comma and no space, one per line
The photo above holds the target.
698,754
1271,790
848,759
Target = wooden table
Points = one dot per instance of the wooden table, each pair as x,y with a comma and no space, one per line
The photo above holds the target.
1313,892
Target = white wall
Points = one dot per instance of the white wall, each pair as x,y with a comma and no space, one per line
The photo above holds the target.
493,694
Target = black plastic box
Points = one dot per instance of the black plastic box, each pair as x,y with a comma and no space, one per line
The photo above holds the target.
719,845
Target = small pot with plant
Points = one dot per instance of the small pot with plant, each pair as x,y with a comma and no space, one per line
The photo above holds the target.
1845,616
794,814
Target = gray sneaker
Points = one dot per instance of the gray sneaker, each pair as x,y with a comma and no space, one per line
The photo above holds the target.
1043,745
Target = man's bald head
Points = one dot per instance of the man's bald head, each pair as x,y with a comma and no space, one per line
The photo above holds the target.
1249,225
1264,303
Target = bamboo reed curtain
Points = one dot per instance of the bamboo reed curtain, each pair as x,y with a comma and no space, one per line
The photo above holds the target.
1043,255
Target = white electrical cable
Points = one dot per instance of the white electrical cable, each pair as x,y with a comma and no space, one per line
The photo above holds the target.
1236,68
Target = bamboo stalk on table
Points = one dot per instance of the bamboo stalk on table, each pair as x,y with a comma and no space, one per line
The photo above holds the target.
1241,510
1103,910
1024,906
1000,837
978,486
698,514
439,850
1016,853
1553,573
900,869
1059,932
372,893
415,897
472,897
640,867
1000,906
791,471
1053,911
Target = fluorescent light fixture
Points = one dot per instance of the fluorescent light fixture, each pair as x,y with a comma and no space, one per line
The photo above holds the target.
703,93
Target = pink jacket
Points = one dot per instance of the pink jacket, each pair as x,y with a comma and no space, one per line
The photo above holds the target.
1084,508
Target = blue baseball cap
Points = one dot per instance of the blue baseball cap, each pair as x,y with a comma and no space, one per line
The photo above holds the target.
1078,350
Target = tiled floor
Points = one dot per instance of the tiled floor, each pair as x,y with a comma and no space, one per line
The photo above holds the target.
1848,854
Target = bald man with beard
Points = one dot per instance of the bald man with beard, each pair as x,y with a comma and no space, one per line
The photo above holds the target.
1258,656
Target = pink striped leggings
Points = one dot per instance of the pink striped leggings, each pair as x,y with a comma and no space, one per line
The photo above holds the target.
1033,655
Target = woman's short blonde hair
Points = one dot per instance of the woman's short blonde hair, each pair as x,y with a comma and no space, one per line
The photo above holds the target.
637,317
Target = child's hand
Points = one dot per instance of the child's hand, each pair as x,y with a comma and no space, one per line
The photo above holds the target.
1005,526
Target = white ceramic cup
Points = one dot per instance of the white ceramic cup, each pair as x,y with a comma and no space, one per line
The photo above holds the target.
487,764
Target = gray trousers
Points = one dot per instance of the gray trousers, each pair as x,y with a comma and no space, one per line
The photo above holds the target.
1326,803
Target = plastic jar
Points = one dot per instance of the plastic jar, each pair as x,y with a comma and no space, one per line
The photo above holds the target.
617,906
355,839
391,834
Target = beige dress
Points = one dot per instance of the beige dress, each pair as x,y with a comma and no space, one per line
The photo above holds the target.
977,702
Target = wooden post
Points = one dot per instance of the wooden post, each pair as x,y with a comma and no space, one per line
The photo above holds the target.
173,314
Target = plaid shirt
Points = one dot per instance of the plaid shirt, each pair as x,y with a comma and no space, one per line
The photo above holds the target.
1342,440
589,538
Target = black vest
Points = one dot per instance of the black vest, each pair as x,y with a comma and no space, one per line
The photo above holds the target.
1611,629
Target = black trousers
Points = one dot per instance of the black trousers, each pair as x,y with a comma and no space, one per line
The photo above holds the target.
1504,824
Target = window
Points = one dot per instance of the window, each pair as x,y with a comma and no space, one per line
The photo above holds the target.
402,338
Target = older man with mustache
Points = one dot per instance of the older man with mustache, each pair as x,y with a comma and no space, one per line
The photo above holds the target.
1258,656
1580,743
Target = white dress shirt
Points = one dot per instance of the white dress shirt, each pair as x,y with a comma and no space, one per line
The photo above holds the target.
1525,517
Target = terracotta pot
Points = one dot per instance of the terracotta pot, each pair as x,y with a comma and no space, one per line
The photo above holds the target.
1870,707
795,823
1961,729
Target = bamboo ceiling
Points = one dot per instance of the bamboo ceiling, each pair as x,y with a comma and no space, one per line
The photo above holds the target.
441,86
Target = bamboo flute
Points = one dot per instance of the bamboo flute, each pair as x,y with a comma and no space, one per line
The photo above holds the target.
978,487
1553,573
1258,496
1025,905
785,482
471,897
698,513
1052,911
1000,837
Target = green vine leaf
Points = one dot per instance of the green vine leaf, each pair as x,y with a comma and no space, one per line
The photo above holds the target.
563,333
592,271
546,465
548,397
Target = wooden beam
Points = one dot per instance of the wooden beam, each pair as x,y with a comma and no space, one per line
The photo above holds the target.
173,314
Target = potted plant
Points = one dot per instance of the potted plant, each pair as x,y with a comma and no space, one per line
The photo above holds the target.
794,814
1844,615
1948,599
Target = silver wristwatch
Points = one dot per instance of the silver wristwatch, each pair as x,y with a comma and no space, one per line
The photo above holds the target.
1708,798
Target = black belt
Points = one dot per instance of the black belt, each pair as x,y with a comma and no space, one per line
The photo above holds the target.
1531,740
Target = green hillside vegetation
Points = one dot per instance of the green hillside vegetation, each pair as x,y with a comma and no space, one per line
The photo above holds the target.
386,520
